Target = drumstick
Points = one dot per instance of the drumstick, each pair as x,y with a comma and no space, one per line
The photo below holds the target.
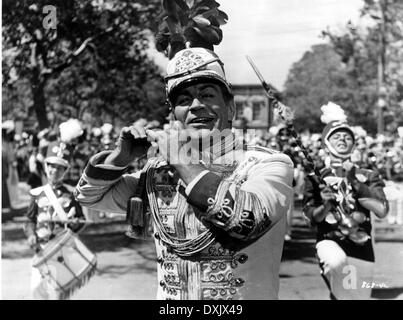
74,220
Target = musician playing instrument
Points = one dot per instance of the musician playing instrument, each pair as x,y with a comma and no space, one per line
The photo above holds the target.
218,217
44,220
340,210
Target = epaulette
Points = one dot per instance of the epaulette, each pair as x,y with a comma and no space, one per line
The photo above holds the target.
36,191
262,149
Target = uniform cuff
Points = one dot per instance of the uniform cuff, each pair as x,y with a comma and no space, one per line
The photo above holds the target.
205,188
195,181
363,191
97,169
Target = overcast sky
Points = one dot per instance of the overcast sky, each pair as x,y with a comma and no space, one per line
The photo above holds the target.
276,33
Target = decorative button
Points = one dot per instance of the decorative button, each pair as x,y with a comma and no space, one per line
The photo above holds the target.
157,236
160,260
239,282
60,259
162,283
243,258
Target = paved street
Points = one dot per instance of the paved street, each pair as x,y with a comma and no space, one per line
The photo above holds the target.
127,268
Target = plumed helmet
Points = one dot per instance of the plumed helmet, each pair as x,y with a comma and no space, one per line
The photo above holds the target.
330,128
194,64
58,153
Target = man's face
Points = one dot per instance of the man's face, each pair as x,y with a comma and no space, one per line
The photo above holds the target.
201,106
342,141
54,172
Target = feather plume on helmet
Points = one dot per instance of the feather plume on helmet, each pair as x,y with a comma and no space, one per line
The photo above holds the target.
196,22
70,130
187,34
60,152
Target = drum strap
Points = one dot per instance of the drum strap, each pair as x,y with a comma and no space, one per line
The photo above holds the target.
55,204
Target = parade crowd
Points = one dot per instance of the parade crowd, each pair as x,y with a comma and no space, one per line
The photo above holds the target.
23,154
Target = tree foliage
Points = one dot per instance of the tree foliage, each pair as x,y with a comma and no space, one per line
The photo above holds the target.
317,78
196,22
346,71
95,60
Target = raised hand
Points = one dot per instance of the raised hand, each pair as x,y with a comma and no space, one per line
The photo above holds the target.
132,143
171,143
328,197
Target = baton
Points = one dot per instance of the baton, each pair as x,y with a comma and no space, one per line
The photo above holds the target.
265,86
282,109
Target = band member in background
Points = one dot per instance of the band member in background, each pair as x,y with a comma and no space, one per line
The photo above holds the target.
218,222
341,212
44,222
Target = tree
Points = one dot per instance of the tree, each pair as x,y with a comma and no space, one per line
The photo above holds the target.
317,78
349,69
373,56
93,56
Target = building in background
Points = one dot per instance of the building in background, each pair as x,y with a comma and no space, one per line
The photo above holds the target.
253,108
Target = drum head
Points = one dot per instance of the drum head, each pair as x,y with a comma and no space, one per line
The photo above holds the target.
52,247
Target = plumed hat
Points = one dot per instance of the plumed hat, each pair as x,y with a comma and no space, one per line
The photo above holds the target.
335,118
187,34
332,127
194,64
58,153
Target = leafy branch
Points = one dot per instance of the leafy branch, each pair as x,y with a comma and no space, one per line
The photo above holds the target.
193,22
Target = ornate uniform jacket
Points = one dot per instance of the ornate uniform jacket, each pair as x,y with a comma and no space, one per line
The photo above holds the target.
43,217
220,237
369,186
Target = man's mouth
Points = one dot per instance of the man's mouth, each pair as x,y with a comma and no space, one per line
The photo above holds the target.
201,120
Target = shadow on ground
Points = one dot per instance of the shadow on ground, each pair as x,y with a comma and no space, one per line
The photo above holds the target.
386,293
302,244
108,237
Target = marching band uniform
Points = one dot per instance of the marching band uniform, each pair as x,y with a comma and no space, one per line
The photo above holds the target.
43,221
346,258
219,237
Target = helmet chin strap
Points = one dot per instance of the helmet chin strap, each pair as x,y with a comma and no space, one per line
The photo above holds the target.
336,154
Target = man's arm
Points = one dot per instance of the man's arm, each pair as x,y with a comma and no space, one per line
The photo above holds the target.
75,212
369,191
248,210
318,200
105,187
30,226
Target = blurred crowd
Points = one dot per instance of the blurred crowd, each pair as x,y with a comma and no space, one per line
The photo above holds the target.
383,152
23,153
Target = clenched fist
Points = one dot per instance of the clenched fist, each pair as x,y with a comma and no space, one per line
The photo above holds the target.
328,197
177,145
132,143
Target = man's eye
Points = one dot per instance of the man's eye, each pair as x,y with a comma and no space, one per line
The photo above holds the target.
182,100
207,95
